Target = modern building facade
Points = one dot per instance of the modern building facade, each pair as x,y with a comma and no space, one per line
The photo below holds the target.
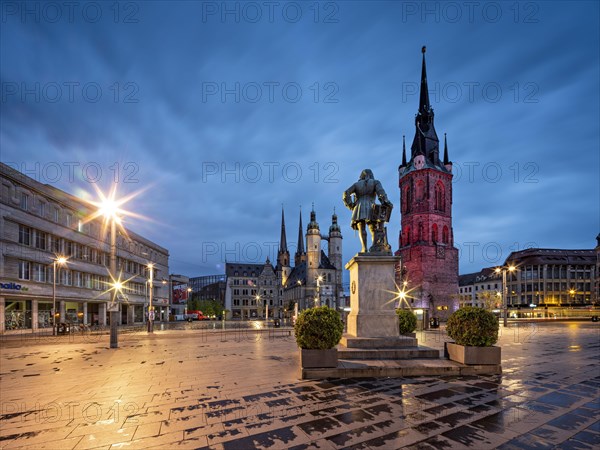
429,258
481,289
552,278
209,287
38,224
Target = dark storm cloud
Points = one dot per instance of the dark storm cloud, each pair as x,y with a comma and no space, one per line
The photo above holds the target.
199,150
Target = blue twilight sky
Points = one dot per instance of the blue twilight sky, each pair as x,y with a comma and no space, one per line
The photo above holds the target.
223,112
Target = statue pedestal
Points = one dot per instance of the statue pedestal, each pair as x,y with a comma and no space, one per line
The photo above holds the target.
372,298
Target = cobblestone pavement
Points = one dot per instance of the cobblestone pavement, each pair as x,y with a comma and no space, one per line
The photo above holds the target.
240,390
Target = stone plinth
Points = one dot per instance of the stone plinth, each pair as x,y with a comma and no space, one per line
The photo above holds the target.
372,304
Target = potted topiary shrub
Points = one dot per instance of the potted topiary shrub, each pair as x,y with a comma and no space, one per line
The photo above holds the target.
407,322
475,331
318,331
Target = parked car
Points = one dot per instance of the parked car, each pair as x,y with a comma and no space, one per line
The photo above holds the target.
195,315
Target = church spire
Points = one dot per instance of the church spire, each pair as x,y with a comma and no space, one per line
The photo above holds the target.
446,160
403,151
424,105
283,255
300,248
300,255
282,239
425,142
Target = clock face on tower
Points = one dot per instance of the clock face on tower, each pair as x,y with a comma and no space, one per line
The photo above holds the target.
419,162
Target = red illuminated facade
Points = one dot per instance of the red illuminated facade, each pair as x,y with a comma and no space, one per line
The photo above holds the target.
429,258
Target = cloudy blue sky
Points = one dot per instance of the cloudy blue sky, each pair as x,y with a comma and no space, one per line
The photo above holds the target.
225,111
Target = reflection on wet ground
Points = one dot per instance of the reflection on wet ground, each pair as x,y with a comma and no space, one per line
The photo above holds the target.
244,394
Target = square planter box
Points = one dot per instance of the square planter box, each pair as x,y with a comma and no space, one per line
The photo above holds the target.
473,355
318,358
410,335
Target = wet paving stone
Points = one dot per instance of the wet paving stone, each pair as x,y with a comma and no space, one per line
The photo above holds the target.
595,427
351,417
549,434
378,410
319,426
454,419
570,421
588,437
527,443
468,436
438,395
559,399
575,445
537,402
427,428
275,438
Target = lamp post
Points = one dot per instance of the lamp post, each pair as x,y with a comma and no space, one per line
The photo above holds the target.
62,261
267,313
257,298
572,293
169,287
318,296
189,298
114,307
503,270
150,289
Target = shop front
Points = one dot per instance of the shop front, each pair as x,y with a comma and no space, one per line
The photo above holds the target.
17,314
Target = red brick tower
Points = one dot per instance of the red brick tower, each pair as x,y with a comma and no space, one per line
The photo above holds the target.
429,259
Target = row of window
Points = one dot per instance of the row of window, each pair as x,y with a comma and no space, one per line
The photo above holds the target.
562,287
419,196
251,292
45,241
551,286
554,272
42,273
247,302
408,237
470,288
550,299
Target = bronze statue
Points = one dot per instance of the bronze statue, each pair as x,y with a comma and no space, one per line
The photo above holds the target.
360,198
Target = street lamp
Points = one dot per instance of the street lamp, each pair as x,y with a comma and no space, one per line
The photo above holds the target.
150,289
267,310
189,291
257,298
572,293
318,296
503,270
170,289
111,209
62,261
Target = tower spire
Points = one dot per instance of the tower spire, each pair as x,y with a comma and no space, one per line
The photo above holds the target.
424,95
283,255
300,248
282,239
425,142
446,160
403,150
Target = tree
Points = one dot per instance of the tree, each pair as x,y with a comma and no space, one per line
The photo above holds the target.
290,307
490,300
